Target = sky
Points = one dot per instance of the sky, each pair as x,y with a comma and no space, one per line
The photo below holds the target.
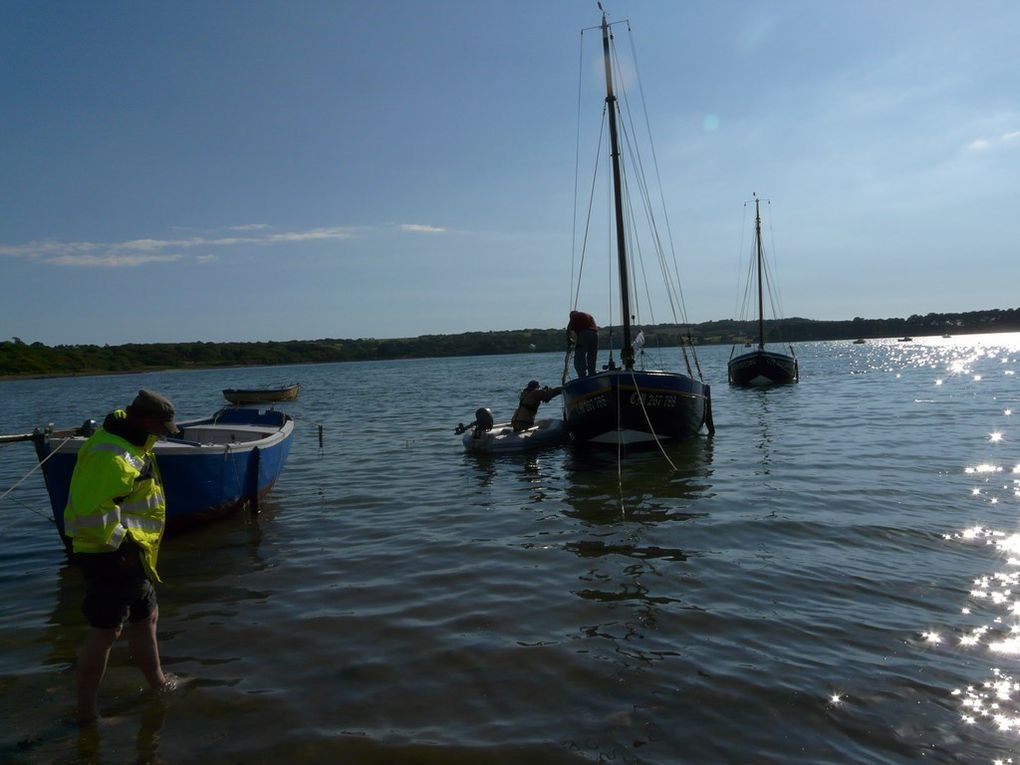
246,171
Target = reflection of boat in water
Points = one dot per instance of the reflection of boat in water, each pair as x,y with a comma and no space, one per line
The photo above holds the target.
261,395
212,467
593,494
627,404
760,366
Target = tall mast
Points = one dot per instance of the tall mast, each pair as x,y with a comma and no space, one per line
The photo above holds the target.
627,351
761,306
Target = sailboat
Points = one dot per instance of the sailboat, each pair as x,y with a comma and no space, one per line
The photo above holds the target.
761,367
624,404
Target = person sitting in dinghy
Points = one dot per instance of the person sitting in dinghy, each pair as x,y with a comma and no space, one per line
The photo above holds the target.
531,398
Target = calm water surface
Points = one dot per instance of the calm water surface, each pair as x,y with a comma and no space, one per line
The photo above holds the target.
831,578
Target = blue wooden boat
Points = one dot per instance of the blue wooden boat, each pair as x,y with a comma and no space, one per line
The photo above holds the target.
213,467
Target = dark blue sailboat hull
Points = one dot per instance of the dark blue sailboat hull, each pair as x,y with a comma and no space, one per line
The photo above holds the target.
760,368
621,406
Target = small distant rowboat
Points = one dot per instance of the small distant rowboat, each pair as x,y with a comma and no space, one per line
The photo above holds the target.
212,467
261,395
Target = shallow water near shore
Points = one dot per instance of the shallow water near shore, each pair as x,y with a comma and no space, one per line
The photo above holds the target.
831,578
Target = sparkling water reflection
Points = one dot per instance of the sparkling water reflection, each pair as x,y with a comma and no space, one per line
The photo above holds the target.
831,578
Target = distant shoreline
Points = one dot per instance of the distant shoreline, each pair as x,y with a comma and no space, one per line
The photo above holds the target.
20,360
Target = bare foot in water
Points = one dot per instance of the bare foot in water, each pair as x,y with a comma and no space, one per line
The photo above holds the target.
170,683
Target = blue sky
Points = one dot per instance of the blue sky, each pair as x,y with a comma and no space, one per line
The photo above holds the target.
269,171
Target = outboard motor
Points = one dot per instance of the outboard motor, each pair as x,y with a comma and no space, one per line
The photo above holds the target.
483,418
483,422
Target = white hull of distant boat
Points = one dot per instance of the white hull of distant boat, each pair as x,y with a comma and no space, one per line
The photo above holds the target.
502,438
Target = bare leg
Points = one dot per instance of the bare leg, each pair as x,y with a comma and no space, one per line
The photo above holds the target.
92,658
142,639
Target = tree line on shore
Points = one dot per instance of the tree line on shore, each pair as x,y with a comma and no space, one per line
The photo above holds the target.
18,358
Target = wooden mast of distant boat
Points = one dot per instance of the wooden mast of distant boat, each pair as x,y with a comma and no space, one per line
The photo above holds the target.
627,351
761,303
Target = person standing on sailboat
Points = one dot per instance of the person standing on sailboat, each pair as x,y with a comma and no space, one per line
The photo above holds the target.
583,335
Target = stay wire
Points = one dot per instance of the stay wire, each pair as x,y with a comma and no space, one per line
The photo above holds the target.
587,223
577,161
658,176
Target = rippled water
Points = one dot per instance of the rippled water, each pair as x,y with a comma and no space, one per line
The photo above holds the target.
831,578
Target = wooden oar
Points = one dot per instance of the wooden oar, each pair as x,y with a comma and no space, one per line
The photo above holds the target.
15,437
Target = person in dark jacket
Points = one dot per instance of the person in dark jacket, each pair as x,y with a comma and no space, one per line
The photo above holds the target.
583,334
531,398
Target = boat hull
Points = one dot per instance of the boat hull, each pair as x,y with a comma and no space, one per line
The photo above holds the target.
260,395
631,407
213,467
502,438
760,368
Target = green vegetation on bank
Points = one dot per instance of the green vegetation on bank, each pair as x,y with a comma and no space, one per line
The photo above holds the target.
18,358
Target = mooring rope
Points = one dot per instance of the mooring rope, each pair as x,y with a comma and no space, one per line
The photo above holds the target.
24,478
41,463
651,428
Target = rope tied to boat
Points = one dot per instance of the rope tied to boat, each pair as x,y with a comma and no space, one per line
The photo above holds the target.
25,478
651,428
41,463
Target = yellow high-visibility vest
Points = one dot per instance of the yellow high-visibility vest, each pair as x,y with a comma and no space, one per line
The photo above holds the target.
116,491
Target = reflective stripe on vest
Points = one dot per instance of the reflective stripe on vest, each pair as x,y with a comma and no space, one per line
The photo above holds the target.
143,524
95,521
118,536
151,502
128,457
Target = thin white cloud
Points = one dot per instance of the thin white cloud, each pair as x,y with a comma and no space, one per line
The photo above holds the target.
249,227
421,228
140,251
206,258
112,260
1006,140
314,234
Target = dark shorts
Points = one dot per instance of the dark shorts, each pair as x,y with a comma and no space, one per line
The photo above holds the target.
116,588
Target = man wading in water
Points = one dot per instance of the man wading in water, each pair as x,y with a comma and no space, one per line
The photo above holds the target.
115,516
